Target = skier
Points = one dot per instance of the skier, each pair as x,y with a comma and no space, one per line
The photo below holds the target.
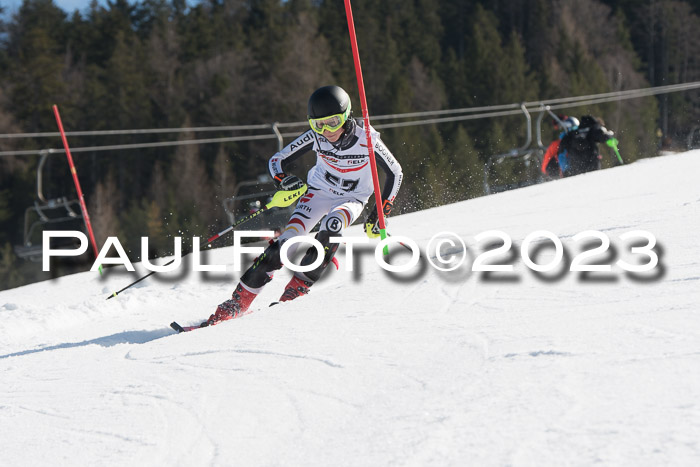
578,149
550,161
339,186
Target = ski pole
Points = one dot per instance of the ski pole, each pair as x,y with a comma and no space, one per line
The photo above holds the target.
281,199
613,144
402,244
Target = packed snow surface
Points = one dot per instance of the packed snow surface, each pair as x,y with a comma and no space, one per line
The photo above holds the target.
376,368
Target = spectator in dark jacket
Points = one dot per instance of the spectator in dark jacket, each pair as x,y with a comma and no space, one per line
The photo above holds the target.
578,149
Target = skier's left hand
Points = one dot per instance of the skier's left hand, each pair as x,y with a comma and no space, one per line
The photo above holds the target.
372,227
372,221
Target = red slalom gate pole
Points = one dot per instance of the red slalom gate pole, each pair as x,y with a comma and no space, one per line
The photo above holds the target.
81,198
365,117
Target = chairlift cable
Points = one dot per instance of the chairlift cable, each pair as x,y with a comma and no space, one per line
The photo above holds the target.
496,111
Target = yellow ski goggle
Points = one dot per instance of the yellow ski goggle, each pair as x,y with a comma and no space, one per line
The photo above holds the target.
332,123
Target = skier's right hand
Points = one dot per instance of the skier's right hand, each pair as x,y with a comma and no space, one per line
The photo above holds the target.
288,182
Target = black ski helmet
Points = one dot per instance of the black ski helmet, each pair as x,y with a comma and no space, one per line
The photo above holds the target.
327,101
588,121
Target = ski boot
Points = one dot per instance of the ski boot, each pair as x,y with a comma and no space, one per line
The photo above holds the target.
296,288
237,306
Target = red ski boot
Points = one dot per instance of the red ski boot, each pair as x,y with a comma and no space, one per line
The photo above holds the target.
233,308
295,288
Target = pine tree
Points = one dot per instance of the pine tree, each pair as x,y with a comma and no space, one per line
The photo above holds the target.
102,208
166,90
34,49
193,194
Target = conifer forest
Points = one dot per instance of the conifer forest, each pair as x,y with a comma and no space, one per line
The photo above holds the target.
172,64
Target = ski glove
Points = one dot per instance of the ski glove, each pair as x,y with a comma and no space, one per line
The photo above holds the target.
372,221
288,182
612,142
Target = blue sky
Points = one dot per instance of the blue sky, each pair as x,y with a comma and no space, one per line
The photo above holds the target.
67,5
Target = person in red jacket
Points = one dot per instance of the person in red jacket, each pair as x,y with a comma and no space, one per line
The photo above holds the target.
550,161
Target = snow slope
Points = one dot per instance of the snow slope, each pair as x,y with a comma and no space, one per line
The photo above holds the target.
421,368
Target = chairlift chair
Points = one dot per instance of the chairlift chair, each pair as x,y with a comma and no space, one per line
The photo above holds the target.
525,156
60,213
262,190
694,138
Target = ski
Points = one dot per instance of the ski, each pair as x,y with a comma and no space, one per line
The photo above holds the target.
180,329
